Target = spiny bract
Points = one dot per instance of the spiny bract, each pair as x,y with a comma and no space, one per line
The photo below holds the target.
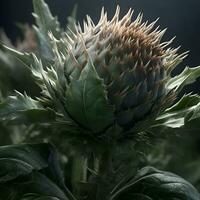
111,76
130,59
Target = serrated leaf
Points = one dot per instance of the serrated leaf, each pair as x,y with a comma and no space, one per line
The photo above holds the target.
34,64
46,23
44,19
48,81
23,109
153,184
86,101
25,58
188,76
31,169
16,72
5,61
182,113
44,44
71,20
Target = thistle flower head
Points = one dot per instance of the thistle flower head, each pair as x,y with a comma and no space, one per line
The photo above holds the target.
104,81
131,60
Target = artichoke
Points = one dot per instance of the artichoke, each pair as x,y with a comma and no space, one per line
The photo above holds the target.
107,80
132,62
103,88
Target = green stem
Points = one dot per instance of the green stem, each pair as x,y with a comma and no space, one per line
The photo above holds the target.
97,185
79,173
104,175
105,163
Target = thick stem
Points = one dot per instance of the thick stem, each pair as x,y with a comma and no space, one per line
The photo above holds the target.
79,173
97,185
104,175
105,163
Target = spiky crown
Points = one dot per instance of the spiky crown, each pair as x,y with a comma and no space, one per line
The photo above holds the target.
132,61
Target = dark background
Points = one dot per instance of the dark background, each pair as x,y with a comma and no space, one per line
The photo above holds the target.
181,17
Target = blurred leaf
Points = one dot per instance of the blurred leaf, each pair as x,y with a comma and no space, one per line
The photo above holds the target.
25,58
31,171
5,137
44,45
44,19
71,20
16,161
52,91
153,184
17,75
30,60
46,23
38,197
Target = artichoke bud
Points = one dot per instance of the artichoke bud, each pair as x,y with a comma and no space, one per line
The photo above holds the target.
130,59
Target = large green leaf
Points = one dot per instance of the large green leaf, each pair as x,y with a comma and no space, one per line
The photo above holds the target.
51,80
86,101
184,113
44,45
17,160
31,171
153,184
188,76
32,62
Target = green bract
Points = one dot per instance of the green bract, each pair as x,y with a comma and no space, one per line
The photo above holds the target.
115,75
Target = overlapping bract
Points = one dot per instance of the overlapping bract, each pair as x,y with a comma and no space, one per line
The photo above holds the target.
131,61
106,79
